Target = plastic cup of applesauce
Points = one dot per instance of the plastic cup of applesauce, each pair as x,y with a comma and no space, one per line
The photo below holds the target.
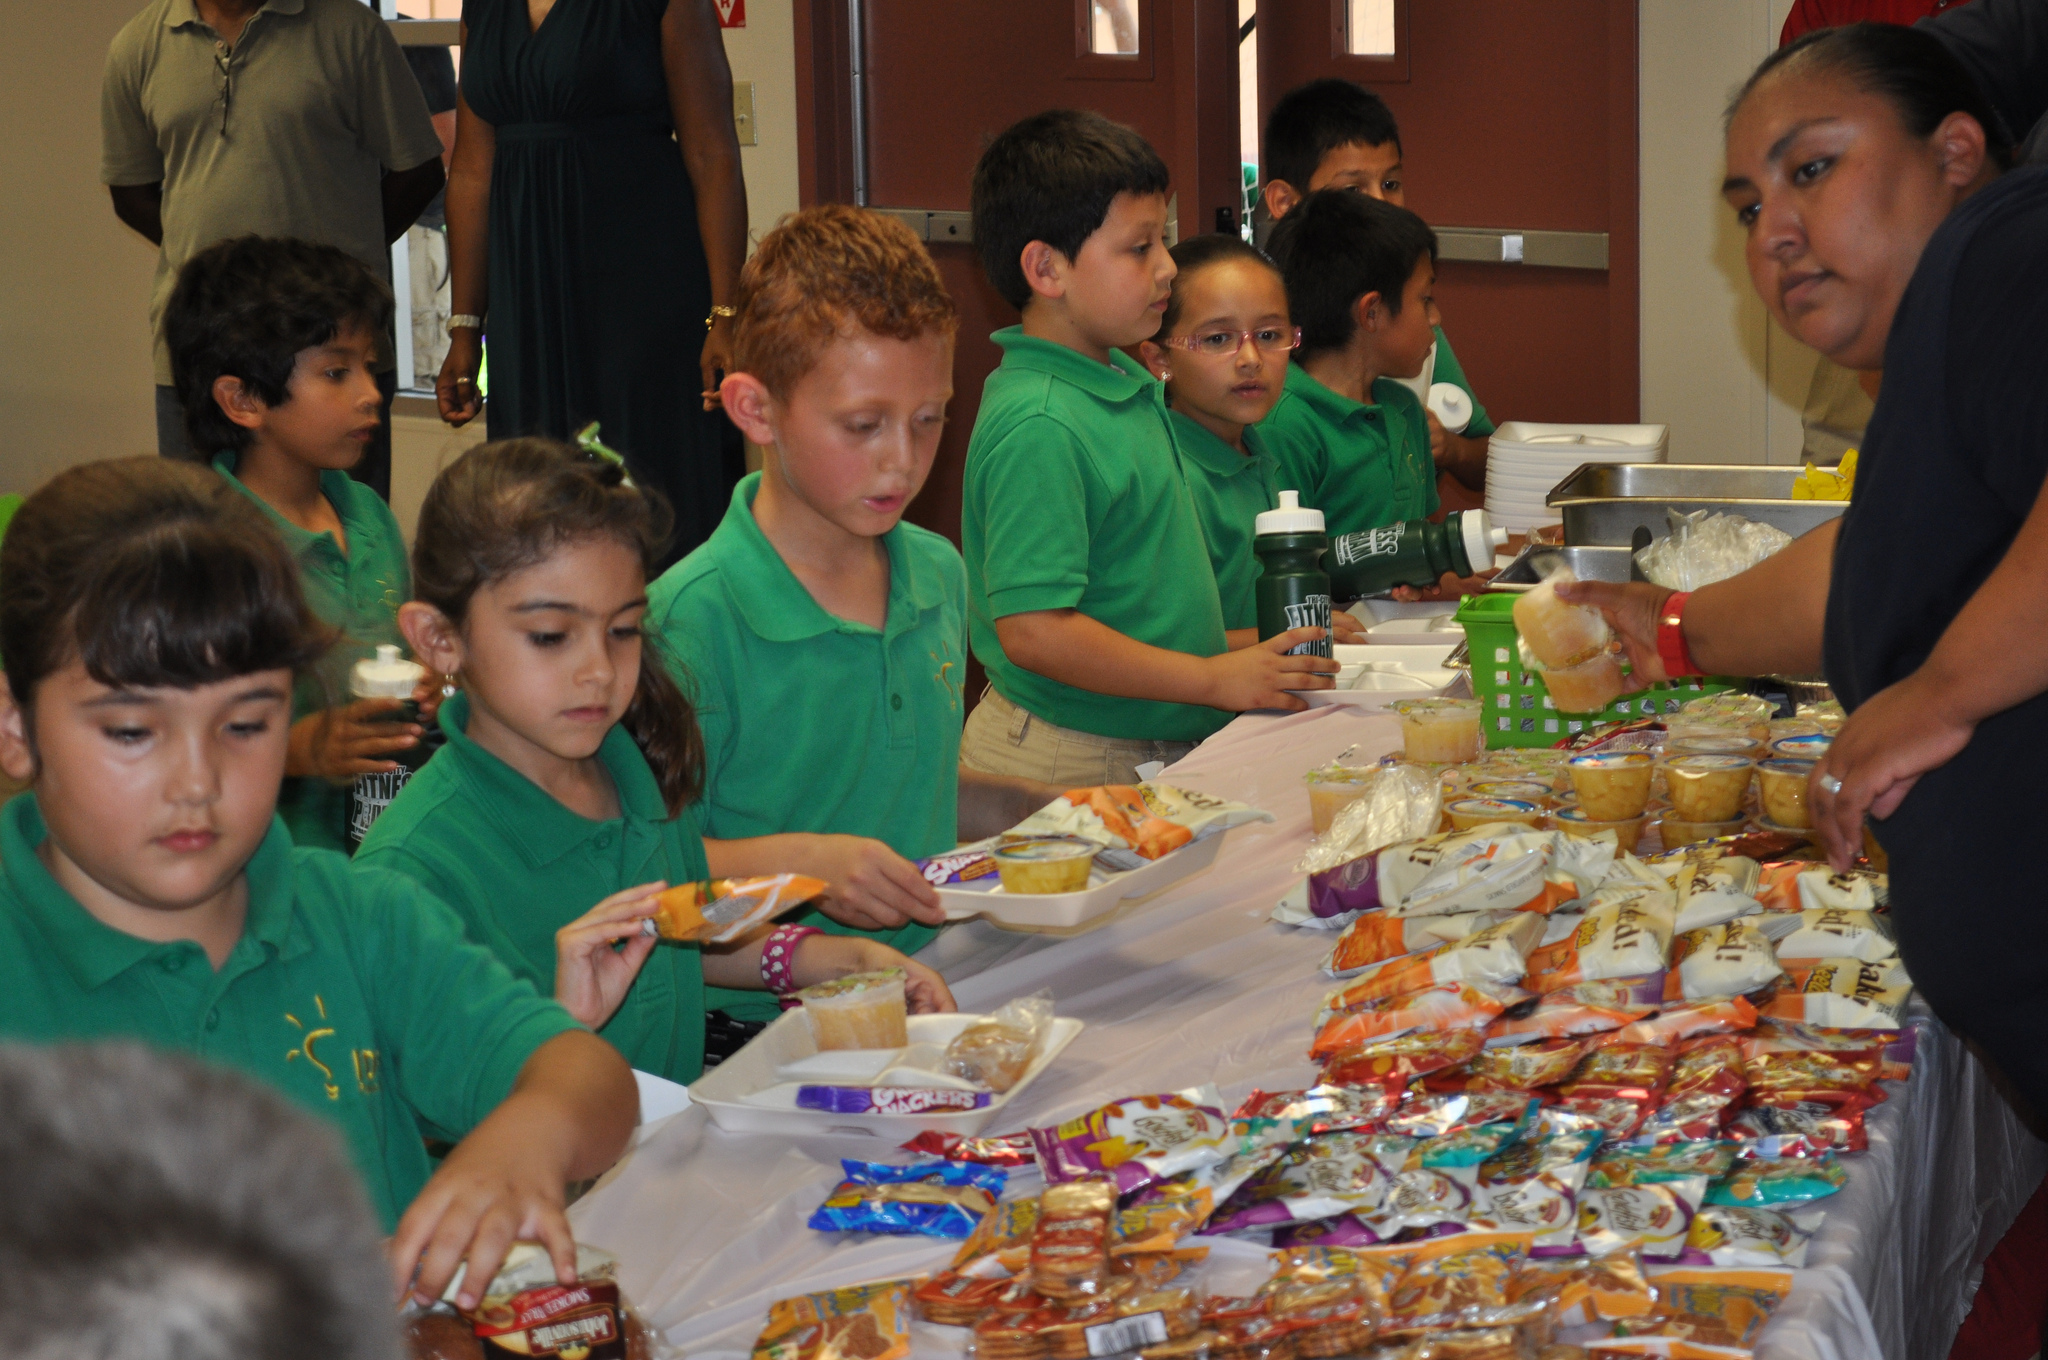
1808,746
1587,687
1720,742
1781,788
1613,786
1574,822
1526,790
1466,813
1708,788
1439,731
1333,788
1048,864
860,1010
1676,831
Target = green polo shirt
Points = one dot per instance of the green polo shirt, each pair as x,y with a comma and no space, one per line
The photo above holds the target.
358,592
1230,490
1074,499
517,866
780,684
352,992
1362,466
1449,370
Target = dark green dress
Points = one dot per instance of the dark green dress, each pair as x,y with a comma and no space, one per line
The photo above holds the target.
599,287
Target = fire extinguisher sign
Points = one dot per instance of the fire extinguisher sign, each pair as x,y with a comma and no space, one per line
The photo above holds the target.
731,13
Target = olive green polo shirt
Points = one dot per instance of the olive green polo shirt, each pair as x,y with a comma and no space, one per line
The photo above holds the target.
1362,466
1074,499
1230,490
358,592
517,866
352,992
780,684
319,104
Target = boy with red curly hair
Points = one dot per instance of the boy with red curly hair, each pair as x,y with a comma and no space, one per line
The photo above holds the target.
825,639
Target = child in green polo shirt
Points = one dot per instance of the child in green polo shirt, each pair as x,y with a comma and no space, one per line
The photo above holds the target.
271,343
1333,134
820,633
1091,601
151,625
1222,353
572,758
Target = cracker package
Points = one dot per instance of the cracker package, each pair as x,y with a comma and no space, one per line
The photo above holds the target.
1490,869
1718,961
1396,1062
1653,1219
1321,1177
1803,1125
1439,1182
1445,1006
1637,1164
1458,1281
1514,1067
929,1199
1583,1009
720,910
1579,1291
1844,993
1375,937
1760,1182
1730,1235
1830,933
862,1322
1619,938
1070,1241
525,1310
1493,953
1138,1140
1533,1187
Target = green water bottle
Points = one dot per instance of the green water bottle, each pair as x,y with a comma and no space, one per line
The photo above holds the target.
1412,553
1293,590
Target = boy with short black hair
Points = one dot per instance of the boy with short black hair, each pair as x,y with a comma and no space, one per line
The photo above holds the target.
1091,599
272,344
1333,134
1346,433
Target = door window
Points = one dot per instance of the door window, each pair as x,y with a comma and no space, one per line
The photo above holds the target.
1113,28
1369,28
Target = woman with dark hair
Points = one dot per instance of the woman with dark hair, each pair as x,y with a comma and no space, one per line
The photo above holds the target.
1881,232
597,222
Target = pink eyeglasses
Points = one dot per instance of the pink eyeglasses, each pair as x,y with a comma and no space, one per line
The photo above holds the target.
1216,344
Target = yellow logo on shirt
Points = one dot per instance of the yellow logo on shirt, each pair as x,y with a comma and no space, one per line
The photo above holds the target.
364,1060
950,675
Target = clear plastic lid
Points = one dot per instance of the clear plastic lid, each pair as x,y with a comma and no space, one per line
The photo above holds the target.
1291,517
386,676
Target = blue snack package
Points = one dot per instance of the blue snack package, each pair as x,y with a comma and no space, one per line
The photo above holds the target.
928,1199
888,1099
1765,1181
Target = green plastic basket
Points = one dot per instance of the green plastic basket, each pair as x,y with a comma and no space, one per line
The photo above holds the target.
1518,711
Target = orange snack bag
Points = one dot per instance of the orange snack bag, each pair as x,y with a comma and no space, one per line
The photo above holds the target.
1123,811
720,910
1447,1006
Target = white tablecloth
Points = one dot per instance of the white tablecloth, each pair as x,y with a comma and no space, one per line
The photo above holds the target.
1197,986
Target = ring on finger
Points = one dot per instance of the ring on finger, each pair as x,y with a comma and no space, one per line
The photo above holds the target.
1829,785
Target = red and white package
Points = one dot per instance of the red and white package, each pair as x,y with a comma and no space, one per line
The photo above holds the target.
1580,1010
1446,1006
1618,1086
1396,1062
1376,936
1707,1082
1844,993
1493,953
1784,1126
1830,933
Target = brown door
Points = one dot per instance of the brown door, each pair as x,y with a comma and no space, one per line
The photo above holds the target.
941,77
1516,116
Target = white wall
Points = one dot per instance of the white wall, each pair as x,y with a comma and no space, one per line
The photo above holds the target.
1715,367
765,53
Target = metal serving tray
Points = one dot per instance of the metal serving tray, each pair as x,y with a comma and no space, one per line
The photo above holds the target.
1590,563
1604,504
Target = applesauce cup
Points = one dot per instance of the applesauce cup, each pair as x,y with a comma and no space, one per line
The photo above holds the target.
1466,813
1811,746
1331,789
1524,790
1574,822
1719,742
1439,731
1612,786
1048,864
1708,788
860,1010
1781,789
1676,831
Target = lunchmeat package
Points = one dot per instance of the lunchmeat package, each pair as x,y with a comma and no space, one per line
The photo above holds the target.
1730,1235
1137,1141
1489,869
1145,821
720,910
870,1321
1446,1006
1654,1218
1378,938
1844,993
929,1199
1533,1187
1830,933
1725,960
1627,934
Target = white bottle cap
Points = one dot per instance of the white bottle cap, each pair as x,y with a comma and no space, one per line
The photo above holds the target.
1292,517
1452,407
387,676
1480,538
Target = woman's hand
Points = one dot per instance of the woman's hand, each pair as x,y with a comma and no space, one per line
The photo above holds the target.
455,390
591,977
1904,731
1632,610
339,744
821,958
716,359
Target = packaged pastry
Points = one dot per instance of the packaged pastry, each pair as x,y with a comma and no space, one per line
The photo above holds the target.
996,1052
929,1199
1612,785
1376,937
1533,1187
720,910
1712,1307
1729,1235
1653,1218
1070,1241
1396,1062
1759,1182
1844,993
1721,961
1457,1281
972,867
1446,1006
1830,933
860,1322
1139,1140
1708,788
1617,938
1045,864
860,1010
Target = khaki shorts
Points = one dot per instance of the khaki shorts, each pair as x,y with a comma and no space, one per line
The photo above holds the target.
1002,738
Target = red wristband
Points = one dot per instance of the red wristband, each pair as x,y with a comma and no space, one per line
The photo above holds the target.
1671,648
778,957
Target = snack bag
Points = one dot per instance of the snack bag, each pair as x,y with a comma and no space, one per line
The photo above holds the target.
1011,1149
1623,937
1582,1009
1635,1164
1458,1281
930,1199
996,1052
1432,1114
1577,1292
1513,1067
1711,886
525,1310
1789,1036
1257,1144
1445,1006
1806,1125
1653,1218
1712,1307
1831,933
1146,821
1396,1062
1723,960
1618,1086
1674,1024
1439,1182
1533,1187
1816,1073
867,1322
955,1300
1375,937
1321,1177
1497,870
1732,1236
1070,1241
1848,993
1707,1080
1336,1318
1323,1109
1761,1181
1004,1234
1821,889
1138,1140
720,910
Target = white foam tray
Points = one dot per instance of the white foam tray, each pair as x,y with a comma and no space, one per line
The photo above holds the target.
1093,905
745,1094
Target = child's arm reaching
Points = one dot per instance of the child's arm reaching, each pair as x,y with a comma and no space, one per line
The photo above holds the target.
1068,646
991,804
872,887
567,1119
592,977
820,958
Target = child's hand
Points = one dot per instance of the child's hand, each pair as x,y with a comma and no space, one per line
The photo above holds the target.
873,887
591,977
1346,630
1260,676
1451,587
337,744
427,694
820,958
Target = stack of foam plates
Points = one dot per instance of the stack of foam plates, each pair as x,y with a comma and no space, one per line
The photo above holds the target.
1525,460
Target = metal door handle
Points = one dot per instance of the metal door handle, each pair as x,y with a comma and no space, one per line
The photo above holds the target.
1555,249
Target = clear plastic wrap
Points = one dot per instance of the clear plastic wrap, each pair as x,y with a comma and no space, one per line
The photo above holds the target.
1707,546
996,1052
1402,802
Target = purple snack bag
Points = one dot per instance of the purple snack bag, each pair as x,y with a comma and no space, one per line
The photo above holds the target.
1345,1230
887,1099
1138,1140
1353,885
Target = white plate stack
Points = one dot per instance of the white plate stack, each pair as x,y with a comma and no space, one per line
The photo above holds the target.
1525,460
